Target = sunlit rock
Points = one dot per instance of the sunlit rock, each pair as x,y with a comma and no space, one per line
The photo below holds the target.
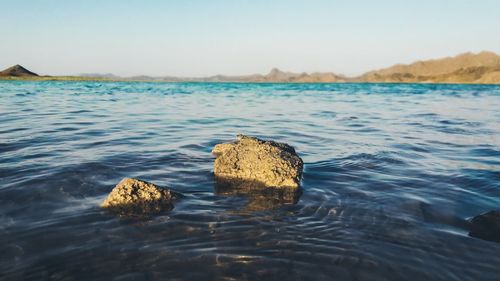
136,197
486,226
253,163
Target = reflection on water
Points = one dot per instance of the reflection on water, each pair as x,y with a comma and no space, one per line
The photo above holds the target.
392,175
259,196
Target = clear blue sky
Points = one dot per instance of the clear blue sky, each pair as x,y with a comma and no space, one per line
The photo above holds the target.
197,38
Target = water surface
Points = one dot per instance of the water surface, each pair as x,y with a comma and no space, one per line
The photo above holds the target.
392,173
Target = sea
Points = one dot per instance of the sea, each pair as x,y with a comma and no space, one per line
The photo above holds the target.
392,175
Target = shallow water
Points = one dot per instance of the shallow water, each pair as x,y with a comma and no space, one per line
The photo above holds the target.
392,173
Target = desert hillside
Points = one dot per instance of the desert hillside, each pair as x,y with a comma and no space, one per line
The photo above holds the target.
483,67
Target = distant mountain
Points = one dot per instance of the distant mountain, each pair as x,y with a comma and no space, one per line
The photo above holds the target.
274,76
483,67
480,68
278,76
99,75
17,71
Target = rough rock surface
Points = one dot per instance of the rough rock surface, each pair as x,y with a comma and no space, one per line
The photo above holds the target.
252,162
486,226
136,197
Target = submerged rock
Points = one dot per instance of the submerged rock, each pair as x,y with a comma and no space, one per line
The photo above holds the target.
260,198
486,226
252,163
136,197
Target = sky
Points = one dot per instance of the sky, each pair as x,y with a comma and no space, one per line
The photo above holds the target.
202,38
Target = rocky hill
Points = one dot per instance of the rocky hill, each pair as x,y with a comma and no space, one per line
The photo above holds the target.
17,71
483,67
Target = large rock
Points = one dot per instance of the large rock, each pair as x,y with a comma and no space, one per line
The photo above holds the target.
253,163
486,226
136,197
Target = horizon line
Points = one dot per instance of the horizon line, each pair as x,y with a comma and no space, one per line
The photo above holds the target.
339,74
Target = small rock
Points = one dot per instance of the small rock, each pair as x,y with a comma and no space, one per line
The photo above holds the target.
486,226
251,162
136,197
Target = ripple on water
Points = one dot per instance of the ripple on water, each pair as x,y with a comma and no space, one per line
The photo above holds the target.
392,174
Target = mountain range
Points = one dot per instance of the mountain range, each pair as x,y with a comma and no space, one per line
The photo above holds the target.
479,68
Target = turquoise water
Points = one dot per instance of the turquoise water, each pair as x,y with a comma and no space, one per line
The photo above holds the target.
392,173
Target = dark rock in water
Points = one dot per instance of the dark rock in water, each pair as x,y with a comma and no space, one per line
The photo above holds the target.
255,163
486,226
136,197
